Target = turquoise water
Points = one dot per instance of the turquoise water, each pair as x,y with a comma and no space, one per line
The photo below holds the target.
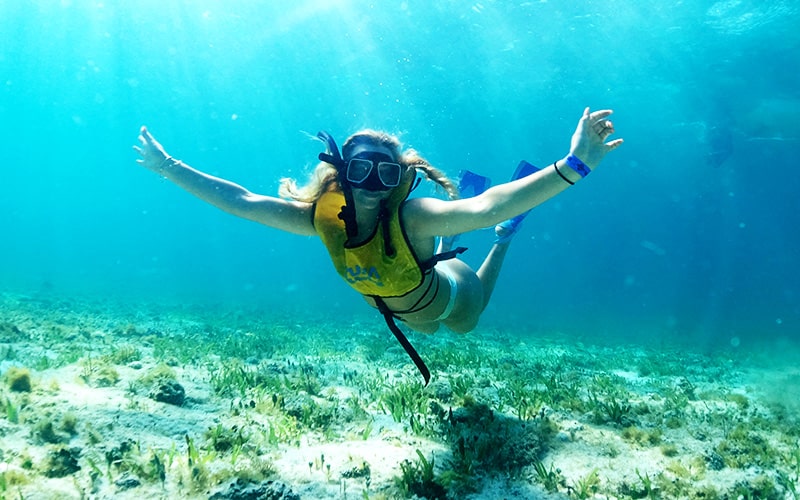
687,232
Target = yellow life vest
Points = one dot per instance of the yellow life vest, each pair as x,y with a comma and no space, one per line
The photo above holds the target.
384,265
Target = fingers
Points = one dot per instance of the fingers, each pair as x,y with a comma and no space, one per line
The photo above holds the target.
614,144
141,150
603,126
600,125
145,139
595,127
597,121
144,136
599,115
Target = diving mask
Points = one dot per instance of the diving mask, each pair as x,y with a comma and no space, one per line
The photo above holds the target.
373,171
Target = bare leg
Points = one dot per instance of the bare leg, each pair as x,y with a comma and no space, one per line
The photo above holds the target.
490,269
477,286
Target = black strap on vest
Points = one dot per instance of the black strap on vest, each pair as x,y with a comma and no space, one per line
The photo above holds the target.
388,315
451,254
384,221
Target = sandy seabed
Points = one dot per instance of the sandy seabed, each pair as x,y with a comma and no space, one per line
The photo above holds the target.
108,400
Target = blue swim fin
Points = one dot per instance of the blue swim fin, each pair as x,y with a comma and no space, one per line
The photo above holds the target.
509,227
524,169
471,184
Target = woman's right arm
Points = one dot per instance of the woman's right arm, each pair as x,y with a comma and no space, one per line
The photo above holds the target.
291,216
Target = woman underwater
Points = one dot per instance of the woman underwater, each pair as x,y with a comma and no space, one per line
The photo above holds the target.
382,242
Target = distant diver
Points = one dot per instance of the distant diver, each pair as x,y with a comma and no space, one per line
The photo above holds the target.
381,241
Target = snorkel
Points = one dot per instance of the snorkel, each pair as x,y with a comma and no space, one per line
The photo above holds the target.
332,154
334,157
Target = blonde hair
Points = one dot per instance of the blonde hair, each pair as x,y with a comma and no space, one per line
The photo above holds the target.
325,178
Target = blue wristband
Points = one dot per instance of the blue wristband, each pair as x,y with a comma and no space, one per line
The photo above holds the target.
577,165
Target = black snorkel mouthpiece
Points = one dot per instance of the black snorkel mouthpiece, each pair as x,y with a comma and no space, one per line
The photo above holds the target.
332,155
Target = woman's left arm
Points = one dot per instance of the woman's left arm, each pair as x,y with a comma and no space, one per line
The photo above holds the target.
435,217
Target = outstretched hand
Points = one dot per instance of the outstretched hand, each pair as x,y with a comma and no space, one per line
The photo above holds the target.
153,154
589,140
